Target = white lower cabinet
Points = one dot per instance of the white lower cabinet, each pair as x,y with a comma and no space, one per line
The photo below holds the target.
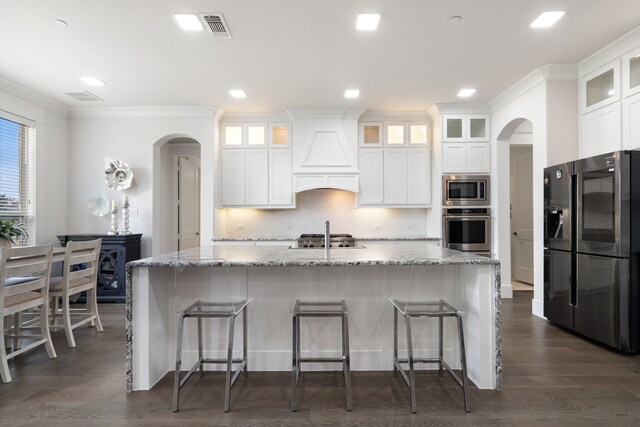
233,177
256,178
397,177
280,177
631,122
601,131
466,157
371,165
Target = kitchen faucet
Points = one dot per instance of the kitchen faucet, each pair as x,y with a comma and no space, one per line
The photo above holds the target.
327,239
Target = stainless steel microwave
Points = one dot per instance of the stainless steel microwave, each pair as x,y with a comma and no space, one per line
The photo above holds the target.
465,190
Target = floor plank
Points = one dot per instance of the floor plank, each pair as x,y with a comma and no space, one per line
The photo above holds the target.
551,377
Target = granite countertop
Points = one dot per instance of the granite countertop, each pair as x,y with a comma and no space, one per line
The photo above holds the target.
291,239
404,253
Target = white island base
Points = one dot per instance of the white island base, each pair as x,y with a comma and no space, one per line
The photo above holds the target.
157,293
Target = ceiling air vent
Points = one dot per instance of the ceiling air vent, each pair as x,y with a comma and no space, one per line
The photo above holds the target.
83,96
215,22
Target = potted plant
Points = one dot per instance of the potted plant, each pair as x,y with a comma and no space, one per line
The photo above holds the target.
11,233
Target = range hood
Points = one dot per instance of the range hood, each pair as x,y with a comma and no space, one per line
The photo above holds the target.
325,147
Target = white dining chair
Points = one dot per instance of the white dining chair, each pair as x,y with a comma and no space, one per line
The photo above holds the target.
24,285
80,274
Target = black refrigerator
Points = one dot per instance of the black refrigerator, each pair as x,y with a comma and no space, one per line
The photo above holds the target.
592,244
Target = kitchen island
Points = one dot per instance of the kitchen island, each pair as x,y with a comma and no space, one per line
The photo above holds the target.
273,277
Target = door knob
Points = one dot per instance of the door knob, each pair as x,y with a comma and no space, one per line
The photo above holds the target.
515,233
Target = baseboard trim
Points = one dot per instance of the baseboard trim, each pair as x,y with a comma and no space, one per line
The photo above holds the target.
537,308
506,291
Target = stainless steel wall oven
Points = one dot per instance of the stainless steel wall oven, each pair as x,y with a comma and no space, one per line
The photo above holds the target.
467,229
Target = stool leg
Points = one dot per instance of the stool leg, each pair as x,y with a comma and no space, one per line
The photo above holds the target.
227,384
346,357
200,352
463,362
412,377
294,364
176,377
244,341
395,342
441,344
298,353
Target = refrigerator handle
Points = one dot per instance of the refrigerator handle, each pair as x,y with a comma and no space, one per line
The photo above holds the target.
574,280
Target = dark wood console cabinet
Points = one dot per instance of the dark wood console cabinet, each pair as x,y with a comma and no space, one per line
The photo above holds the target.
115,253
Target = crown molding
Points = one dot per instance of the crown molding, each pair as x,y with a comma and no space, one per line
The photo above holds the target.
168,111
462,108
32,96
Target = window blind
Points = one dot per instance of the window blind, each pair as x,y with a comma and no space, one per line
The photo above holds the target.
17,175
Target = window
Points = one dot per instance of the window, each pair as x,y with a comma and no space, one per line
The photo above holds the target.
17,175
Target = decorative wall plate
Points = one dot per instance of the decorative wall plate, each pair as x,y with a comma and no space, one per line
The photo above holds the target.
118,175
99,205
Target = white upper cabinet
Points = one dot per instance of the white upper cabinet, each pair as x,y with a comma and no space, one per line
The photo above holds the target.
395,134
418,134
395,176
631,73
370,134
256,135
371,165
232,135
601,131
233,177
279,135
466,157
600,87
418,176
454,157
257,178
478,157
280,190
465,127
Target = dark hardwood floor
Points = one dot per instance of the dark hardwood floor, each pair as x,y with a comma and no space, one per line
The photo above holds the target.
550,377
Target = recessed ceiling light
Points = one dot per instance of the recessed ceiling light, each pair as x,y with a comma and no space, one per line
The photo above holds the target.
547,18
455,19
60,22
238,93
368,21
465,93
189,21
92,81
351,93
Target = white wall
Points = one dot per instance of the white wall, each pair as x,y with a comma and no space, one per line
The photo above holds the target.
314,207
52,134
134,135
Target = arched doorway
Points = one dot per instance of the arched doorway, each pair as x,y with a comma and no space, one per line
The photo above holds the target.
515,206
176,193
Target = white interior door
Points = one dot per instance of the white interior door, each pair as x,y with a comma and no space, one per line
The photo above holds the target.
188,204
522,216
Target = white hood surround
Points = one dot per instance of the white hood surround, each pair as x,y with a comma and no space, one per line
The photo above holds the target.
325,149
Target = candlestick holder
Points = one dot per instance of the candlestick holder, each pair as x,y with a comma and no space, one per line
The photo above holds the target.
125,218
114,221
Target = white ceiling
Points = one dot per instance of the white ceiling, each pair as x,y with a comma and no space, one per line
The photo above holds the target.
296,53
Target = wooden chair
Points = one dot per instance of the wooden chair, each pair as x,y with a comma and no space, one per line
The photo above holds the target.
80,274
24,285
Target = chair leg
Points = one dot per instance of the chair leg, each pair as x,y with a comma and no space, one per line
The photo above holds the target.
346,357
17,325
440,345
176,376
244,341
94,308
200,351
463,362
298,343
66,315
45,331
227,387
5,375
395,341
412,376
294,364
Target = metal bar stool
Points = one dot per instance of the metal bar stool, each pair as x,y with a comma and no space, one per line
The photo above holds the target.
320,309
439,309
201,310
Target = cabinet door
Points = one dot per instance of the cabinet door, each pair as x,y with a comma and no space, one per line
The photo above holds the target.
631,73
454,158
280,135
418,134
371,177
233,177
280,192
601,87
256,135
453,128
395,176
601,131
232,135
257,177
477,127
395,134
478,157
419,176
631,122
370,134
